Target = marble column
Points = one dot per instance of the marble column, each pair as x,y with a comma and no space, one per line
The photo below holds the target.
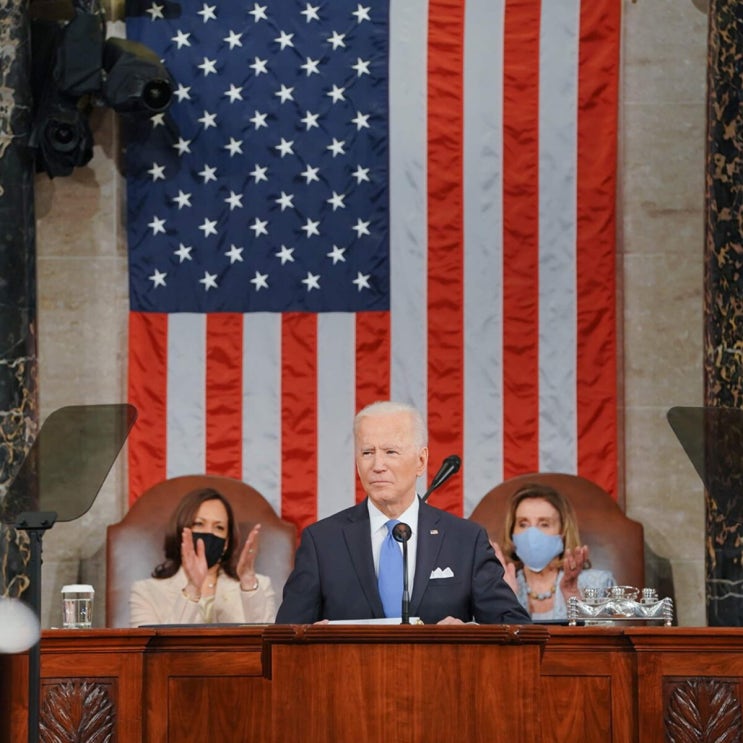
19,413
723,314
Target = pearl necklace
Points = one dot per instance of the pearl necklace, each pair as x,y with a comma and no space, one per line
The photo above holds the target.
541,596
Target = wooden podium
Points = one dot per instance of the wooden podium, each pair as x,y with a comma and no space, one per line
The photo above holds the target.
405,683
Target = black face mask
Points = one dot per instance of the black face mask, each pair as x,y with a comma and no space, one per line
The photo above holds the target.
213,546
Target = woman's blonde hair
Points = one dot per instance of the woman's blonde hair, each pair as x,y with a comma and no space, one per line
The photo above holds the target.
568,521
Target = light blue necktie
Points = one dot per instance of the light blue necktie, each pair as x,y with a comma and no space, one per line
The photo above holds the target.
390,573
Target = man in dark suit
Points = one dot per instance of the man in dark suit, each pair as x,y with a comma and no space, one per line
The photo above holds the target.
454,575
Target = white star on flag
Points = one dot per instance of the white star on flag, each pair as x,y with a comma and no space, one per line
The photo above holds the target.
235,200
208,119
235,253
310,12
158,278
181,39
362,13
182,92
258,13
336,201
207,12
157,172
209,281
361,281
310,227
361,227
183,199
155,11
336,254
208,67
285,201
285,254
284,40
157,225
259,227
310,120
234,93
182,146
258,120
183,252
260,281
208,227
233,39
312,281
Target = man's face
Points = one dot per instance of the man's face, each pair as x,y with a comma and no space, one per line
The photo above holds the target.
388,460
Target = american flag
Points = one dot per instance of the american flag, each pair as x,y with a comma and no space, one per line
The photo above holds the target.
407,199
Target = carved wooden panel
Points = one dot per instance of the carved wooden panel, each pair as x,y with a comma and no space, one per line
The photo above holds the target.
702,709
77,710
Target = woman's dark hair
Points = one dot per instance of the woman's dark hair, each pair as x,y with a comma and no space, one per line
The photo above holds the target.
184,516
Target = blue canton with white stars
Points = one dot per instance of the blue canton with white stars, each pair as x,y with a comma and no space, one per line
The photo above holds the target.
264,186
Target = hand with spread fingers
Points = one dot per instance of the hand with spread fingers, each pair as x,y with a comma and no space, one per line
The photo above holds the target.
193,560
573,562
246,562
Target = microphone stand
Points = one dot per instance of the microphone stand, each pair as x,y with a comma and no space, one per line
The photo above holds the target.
402,533
35,523
405,613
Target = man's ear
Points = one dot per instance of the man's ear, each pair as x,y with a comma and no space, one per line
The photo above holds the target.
422,460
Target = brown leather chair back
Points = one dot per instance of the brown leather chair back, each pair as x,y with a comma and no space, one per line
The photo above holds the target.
615,542
134,546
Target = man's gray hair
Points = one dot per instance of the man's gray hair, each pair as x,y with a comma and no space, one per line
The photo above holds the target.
390,407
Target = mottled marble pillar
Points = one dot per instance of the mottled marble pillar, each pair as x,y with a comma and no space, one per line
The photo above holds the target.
18,358
723,312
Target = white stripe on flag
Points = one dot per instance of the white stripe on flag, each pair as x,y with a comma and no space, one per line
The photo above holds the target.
336,394
261,413
408,203
186,429
483,236
558,105
408,214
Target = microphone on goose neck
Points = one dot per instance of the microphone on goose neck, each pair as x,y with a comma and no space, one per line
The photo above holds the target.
401,533
449,467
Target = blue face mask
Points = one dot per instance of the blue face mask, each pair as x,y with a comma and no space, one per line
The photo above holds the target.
537,549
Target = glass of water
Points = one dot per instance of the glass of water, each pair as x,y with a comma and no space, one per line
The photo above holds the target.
77,606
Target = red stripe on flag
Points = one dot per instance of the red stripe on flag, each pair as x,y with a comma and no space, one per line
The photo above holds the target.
373,362
521,238
596,269
148,387
224,350
299,418
445,242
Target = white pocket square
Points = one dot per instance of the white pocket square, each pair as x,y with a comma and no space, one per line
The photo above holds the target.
439,573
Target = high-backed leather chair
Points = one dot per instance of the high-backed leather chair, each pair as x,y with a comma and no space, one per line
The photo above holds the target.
134,546
615,541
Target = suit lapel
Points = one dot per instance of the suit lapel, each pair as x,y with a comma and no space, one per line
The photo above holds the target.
358,542
430,539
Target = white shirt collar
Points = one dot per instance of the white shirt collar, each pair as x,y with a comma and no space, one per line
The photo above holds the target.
408,516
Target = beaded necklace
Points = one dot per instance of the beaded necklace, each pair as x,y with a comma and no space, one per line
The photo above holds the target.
541,596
